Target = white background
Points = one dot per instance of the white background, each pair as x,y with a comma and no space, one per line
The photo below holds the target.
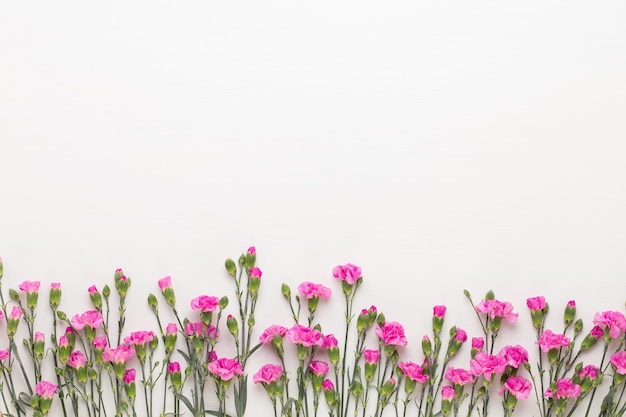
440,146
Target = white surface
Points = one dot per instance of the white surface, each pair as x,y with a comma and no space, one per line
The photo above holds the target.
440,146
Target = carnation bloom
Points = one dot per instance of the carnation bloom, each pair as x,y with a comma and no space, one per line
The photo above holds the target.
255,273
486,365
618,360
120,354
55,285
413,371
497,309
268,334
318,367
139,338
171,328
514,356
348,273
252,250
613,320
392,333
478,343
371,355
205,303
76,359
550,340
99,342
565,388
310,290
29,286
165,282
16,313
458,376
129,376
518,386
588,371
92,290
439,311
329,341
268,374
91,318
45,389
536,303
447,393
173,367
328,385
225,368
461,335
305,336
4,354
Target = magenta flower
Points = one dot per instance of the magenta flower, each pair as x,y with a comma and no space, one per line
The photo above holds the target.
550,340
318,367
92,290
459,376
486,365
171,329
392,333
165,282
76,359
91,318
517,386
618,360
29,287
613,320
139,338
255,273
268,374
225,369
497,309
64,341
413,371
118,355
329,341
328,385
252,250
46,389
305,336
205,303
310,290
514,356
478,343
371,355
4,354
461,335
199,329
536,303
40,337
588,371
129,376
348,273
173,367
16,313
268,334
447,393
439,311
99,342
565,388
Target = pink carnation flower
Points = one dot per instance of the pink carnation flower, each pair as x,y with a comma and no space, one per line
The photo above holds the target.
459,376
618,360
550,340
255,273
371,355
120,354
46,389
565,388
486,365
392,333
29,286
439,311
165,282
348,273
514,356
447,393
588,371
413,371
173,367
76,359
329,341
518,386
536,303
478,343
129,376
140,338
497,309
309,290
613,320
225,368
205,303
268,374
91,318
268,334
99,342
318,367
305,336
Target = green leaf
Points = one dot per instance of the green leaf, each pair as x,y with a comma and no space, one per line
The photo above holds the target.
186,401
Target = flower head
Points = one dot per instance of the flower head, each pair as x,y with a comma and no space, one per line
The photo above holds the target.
550,340
497,309
612,320
318,367
268,334
459,376
536,303
305,336
310,290
76,359
349,273
447,393
392,333
225,369
371,355
565,388
618,360
439,311
205,303
486,365
518,386
46,389
514,356
413,371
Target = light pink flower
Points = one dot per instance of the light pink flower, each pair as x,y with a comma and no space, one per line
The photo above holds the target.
40,337
514,356
64,341
129,376
518,386
413,371
371,355
459,376
486,365
536,303
205,303
140,338
99,342
565,388
225,368
329,341
268,374
318,367
165,282
4,354
55,285
29,286
91,318
45,389
550,340
348,272
268,334
613,320
618,360
199,329
497,309
120,354
447,393
305,336
309,290
255,273
76,359
171,328
16,313
392,333
439,311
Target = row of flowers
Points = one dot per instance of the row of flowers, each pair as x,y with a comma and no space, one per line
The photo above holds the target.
177,369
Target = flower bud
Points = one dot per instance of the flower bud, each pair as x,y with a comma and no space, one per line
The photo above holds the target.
55,295
233,326
106,292
14,295
570,312
153,303
388,387
231,268
427,347
356,389
122,284
96,298
286,291
250,259
223,303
